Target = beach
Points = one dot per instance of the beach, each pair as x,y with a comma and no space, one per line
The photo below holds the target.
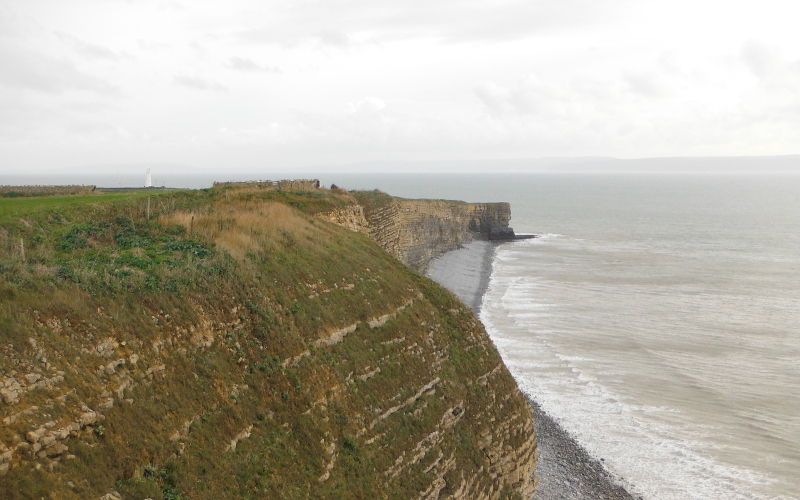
564,470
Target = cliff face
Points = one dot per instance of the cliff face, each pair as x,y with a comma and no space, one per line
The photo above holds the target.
416,231
236,347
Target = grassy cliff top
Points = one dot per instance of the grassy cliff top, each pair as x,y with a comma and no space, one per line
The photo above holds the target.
227,343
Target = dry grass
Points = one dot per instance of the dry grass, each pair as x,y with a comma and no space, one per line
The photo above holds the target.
241,227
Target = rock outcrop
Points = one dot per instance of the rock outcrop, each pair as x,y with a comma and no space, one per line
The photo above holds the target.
417,231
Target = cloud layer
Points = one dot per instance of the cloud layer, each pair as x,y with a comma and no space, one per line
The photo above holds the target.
287,84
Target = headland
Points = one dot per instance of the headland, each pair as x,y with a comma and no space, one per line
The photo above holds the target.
233,342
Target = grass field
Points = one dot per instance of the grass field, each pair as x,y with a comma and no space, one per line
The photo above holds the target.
16,207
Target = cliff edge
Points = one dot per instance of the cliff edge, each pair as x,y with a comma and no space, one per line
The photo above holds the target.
417,231
229,343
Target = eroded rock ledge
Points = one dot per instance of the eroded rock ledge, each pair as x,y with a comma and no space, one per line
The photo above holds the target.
417,231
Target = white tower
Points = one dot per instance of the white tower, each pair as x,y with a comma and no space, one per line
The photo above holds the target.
148,180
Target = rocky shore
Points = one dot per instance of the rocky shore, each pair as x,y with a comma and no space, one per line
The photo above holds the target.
465,271
565,470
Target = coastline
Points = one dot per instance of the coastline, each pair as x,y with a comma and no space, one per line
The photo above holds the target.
564,470
466,271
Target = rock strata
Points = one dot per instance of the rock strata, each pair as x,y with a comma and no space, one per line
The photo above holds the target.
417,231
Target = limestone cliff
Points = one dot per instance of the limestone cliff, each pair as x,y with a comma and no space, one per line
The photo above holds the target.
416,231
230,344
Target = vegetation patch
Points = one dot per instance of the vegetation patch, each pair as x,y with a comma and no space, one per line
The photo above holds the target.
169,342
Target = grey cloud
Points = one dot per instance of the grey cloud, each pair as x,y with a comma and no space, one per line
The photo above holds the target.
759,58
20,118
244,64
643,84
494,97
514,19
292,36
198,47
171,6
198,83
367,119
45,118
448,20
91,127
670,61
15,24
152,45
586,113
31,70
87,49
335,39
530,96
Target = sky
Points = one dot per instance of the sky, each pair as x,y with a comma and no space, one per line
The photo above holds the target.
288,84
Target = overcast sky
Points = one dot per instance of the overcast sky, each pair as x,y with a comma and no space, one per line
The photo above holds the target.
247,84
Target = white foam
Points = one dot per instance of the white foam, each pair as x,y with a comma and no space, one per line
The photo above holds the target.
639,443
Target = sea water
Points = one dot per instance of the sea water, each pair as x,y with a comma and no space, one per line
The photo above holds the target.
657,319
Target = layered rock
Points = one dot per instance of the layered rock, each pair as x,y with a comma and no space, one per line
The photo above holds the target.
417,231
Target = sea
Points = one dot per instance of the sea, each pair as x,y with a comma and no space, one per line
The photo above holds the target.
656,318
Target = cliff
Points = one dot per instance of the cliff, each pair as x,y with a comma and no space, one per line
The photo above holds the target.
229,343
417,231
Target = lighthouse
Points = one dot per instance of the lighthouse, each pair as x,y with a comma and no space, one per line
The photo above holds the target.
148,180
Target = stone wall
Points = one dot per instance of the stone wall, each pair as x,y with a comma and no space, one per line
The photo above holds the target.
298,184
285,184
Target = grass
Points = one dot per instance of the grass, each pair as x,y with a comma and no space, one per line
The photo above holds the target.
218,295
23,206
372,199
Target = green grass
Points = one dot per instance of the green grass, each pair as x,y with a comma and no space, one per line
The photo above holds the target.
23,206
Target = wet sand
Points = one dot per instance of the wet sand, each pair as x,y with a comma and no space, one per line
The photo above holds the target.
565,470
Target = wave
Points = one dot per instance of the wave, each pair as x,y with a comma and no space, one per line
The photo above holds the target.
659,452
